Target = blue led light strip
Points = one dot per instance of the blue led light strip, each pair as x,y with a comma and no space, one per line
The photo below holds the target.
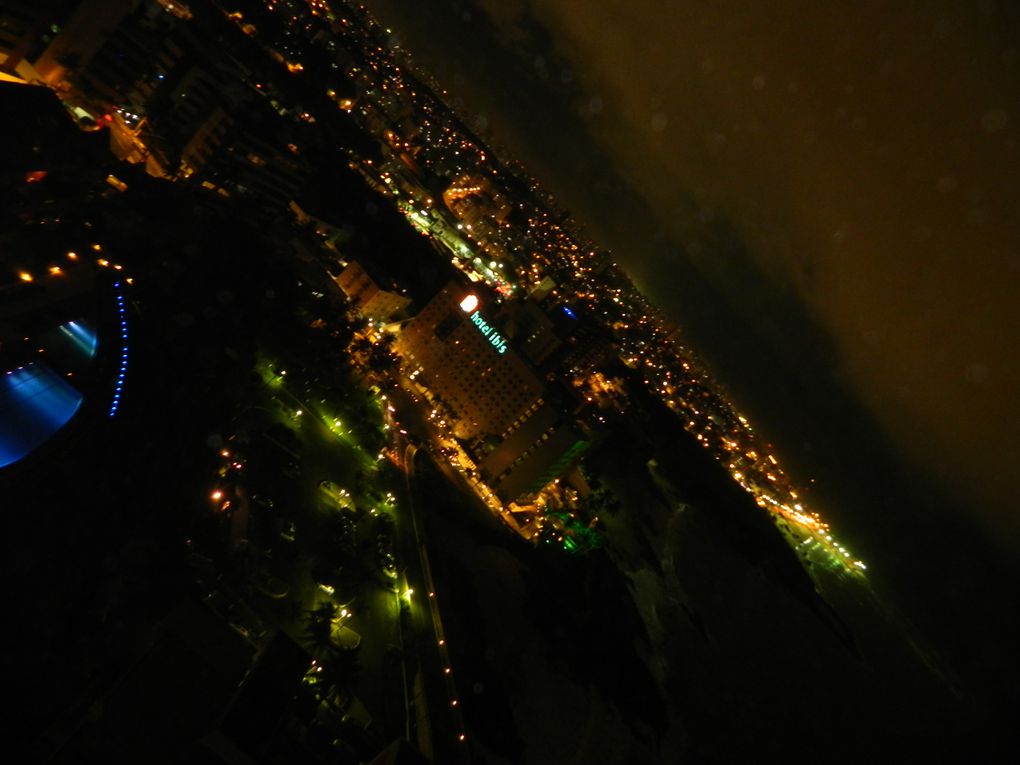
119,386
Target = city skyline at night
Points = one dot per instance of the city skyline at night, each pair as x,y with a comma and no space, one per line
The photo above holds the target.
495,382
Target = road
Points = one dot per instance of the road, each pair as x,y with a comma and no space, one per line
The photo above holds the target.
436,718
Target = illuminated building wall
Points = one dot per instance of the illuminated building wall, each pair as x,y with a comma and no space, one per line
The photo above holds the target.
537,451
26,29
461,362
372,301
384,305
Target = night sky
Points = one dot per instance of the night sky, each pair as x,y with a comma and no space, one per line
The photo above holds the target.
826,197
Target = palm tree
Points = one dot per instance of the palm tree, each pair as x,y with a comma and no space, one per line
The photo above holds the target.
339,674
360,346
381,357
318,632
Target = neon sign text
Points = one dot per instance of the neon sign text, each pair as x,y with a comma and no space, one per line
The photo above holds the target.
489,332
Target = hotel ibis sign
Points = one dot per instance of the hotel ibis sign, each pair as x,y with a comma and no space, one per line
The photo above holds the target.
489,332
470,305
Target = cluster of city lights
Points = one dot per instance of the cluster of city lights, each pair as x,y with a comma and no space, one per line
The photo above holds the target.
558,252
811,524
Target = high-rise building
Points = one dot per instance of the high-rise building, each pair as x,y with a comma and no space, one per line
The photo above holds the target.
371,300
531,331
469,364
463,351
108,47
246,159
533,454
586,343
27,27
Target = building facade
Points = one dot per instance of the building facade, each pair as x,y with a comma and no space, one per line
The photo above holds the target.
369,298
464,353
536,452
468,363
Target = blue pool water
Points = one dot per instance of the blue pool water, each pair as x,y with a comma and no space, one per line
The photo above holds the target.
35,402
